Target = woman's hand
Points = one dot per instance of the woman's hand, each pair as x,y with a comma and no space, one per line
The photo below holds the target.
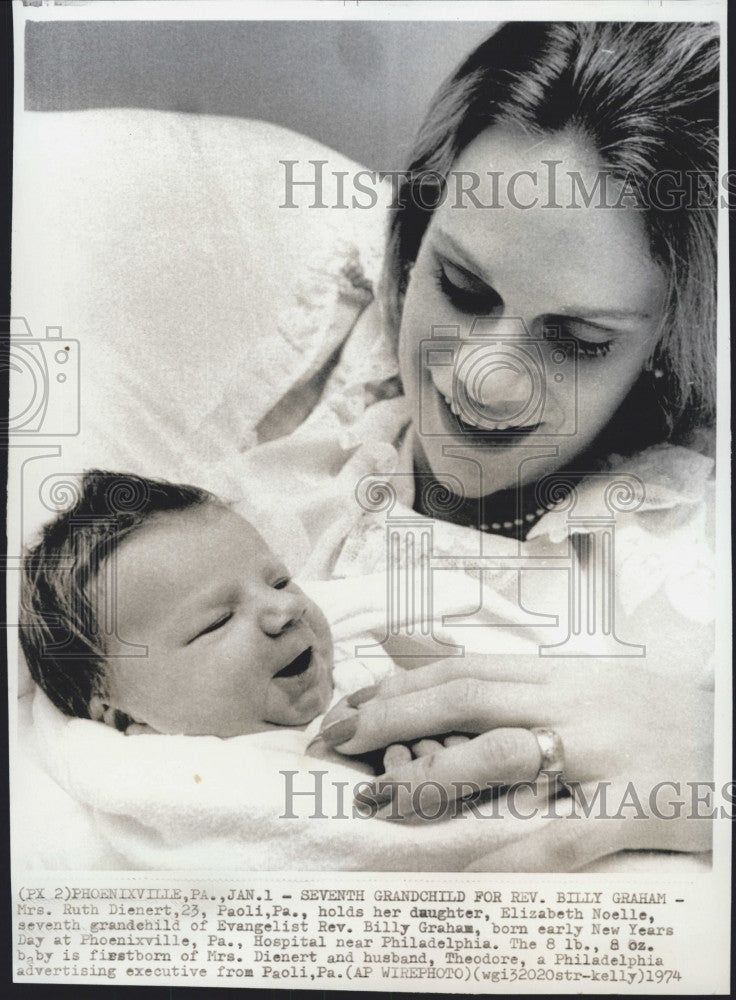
632,741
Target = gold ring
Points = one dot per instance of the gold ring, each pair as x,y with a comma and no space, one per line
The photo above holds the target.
552,754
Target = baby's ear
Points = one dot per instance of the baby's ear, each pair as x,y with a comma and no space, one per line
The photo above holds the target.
101,711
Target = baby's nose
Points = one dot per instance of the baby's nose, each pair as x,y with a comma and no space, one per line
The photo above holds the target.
282,611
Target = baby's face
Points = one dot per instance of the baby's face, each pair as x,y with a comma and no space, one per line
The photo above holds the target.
233,645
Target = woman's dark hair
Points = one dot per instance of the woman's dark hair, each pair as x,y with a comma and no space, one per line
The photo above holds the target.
646,97
60,632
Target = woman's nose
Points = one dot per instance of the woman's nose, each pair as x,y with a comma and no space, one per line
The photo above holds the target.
281,611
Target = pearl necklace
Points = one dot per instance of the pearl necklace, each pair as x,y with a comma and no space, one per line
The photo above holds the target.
517,522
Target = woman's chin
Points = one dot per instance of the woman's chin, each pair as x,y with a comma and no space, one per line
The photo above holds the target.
469,478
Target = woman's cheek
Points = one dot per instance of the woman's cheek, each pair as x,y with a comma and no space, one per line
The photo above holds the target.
406,369
416,327
427,306
601,389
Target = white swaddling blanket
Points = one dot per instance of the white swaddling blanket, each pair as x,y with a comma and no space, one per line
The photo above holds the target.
170,802
177,802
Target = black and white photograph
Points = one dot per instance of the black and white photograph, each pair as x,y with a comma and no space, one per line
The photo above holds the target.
368,496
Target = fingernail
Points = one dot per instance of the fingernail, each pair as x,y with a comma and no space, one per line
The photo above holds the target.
364,694
340,731
316,747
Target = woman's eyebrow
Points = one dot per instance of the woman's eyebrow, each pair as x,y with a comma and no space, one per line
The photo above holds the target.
585,312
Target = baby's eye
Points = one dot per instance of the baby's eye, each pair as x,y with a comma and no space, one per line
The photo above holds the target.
213,627
281,583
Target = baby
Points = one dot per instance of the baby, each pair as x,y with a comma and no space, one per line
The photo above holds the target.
154,607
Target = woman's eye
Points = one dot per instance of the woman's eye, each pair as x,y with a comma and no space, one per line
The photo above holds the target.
570,338
214,626
589,349
281,583
466,293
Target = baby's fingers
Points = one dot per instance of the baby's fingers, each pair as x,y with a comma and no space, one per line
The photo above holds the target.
422,748
455,740
396,756
422,787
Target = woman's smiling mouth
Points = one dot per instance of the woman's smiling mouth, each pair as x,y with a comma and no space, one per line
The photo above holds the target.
458,419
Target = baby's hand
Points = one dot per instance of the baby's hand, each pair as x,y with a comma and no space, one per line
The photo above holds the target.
407,784
401,753
407,790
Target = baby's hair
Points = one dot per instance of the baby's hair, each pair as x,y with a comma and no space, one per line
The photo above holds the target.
60,631
645,96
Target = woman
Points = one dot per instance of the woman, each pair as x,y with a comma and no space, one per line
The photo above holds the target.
594,275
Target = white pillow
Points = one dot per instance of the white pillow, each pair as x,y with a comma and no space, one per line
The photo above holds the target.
158,241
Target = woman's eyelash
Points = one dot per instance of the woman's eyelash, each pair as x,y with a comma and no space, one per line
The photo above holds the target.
465,299
479,303
585,348
588,349
213,627
573,344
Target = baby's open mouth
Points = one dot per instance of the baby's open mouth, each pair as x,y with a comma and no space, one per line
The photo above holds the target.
299,665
